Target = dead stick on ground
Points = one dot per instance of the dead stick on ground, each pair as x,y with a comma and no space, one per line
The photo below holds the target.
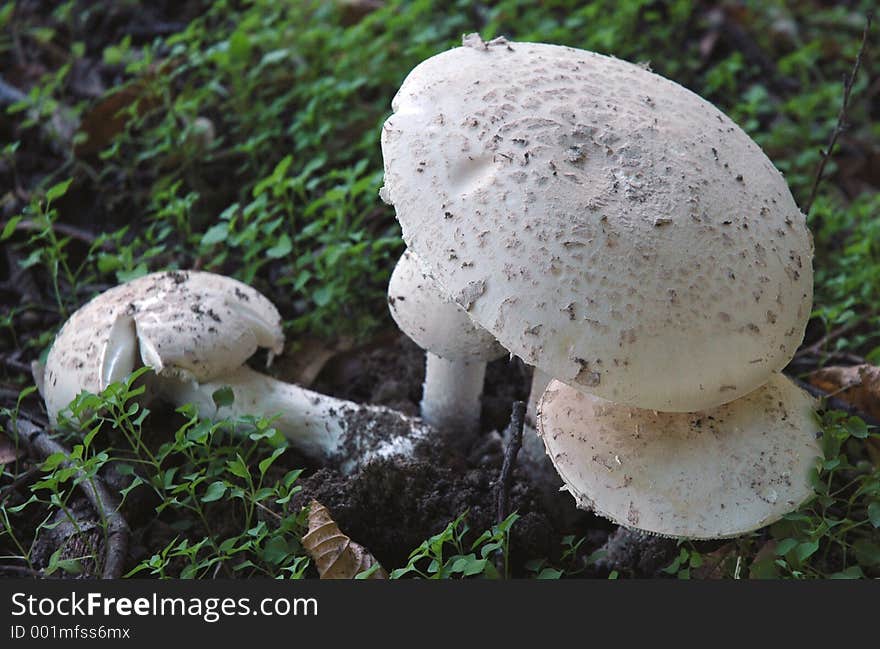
104,503
22,571
817,346
514,443
848,83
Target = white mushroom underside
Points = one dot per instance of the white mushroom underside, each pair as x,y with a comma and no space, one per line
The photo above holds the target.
604,223
711,474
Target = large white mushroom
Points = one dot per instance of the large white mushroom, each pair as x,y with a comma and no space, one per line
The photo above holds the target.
456,350
604,223
196,330
624,236
701,475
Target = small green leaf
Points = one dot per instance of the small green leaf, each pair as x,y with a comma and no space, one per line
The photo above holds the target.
276,550
54,461
785,546
223,397
857,428
281,248
549,573
853,572
215,234
214,492
265,464
805,550
239,47
58,190
366,574
323,296
874,514
237,467
867,552
9,228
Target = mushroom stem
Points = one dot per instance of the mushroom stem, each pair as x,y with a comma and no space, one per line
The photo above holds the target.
451,393
540,381
322,427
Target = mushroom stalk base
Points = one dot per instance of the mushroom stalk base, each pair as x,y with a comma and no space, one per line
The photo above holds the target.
540,381
451,394
322,427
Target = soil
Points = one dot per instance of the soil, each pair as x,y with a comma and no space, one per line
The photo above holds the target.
390,507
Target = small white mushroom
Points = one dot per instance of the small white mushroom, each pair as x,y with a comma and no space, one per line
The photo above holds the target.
702,475
605,224
456,350
196,330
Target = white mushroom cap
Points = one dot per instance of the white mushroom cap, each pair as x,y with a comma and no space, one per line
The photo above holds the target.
606,224
434,322
188,324
711,474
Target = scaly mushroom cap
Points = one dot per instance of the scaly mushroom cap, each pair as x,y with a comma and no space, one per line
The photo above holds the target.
189,324
701,475
605,224
432,319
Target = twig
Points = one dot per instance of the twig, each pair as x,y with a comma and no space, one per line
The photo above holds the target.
816,347
15,365
833,403
21,480
514,443
10,94
64,229
848,83
22,571
104,503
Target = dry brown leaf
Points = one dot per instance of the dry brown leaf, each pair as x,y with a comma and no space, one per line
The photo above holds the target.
108,116
353,11
859,386
713,563
335,555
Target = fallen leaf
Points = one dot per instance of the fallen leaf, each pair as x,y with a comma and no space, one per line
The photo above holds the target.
353,11
108,117
859,386
763,564
714,563
335,555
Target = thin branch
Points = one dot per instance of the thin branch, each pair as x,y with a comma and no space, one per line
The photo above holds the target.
10,94
848,84
104,503
816,347
64,229
21,571
514,433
